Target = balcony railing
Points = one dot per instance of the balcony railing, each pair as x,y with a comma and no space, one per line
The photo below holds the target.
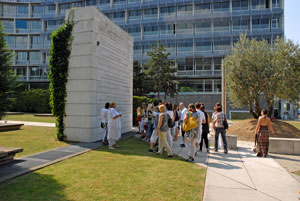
22,78
45,78
19,62
199,73
34,61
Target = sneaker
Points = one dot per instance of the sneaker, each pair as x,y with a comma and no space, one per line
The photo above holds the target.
216,150
226,152
182,145
150,150
170,156
111,147
207,151
156,150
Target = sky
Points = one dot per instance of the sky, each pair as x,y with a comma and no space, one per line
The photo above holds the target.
292,20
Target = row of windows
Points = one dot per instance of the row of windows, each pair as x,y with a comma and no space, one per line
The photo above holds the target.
208,85
206,26
33,72
38,10
22,42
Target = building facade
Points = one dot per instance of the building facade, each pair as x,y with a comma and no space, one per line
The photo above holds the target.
197,33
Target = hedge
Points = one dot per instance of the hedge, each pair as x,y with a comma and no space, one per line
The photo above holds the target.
137,102
32,101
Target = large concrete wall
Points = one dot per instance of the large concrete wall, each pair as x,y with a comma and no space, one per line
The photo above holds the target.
100,71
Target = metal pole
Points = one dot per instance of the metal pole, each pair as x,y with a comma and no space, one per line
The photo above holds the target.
223,88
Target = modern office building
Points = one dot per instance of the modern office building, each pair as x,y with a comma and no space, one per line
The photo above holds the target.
197,33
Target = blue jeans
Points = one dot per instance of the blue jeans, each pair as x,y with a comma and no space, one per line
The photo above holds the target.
149,130
221,131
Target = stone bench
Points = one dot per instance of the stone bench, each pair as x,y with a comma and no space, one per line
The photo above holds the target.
284,146
7,154
10,127
231,140
43,115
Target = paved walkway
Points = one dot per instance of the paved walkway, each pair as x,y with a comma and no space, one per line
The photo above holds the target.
37,161
241,176
27,123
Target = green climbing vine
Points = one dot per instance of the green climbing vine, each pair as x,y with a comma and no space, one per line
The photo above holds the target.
61,43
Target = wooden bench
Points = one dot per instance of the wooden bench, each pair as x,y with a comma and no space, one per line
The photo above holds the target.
231,140
10,127
7,154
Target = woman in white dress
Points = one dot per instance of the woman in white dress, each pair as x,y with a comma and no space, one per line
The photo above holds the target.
114,126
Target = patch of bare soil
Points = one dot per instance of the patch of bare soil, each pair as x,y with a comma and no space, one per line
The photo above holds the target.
245,130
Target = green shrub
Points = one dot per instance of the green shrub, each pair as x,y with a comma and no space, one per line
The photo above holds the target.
137,102
33,101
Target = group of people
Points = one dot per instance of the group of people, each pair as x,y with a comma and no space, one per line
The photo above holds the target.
111,123
154,126
161,122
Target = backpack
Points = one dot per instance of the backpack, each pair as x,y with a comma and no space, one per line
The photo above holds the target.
176,116
190,124
171,123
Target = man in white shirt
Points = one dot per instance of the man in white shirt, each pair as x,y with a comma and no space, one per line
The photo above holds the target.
104,121
182,111
202,121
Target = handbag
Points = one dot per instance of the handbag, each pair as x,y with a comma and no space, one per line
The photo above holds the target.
171,123
256,147
190,124
225,123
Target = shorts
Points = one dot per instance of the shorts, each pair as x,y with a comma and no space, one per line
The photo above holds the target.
153,136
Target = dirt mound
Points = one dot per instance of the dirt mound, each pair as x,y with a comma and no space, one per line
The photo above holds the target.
245,130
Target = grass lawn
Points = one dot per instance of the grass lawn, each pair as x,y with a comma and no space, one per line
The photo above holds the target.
127,173
294,123
30,117
31,138
298,173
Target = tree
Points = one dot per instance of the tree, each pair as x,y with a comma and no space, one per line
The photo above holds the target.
7,76
256,67
141,84
160,71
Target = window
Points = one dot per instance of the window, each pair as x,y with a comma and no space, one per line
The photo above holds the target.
36,25
119,1
203,64
147,48
167,12
217,86
170,47
204,26
208,86
50,9
185,10
34,72
22,11
135,14
21,72
91,2
8,24
134,31
276,3
186,28
222,45
37,11
275,23
260,23
238,25
119,16
221,6
185,47
64,7
150,13
240,5
258,4
137,49
22,26
203,46
10,40
150,31
167,29
202,8
21,42
34,57
217,63
22,58
36,41
9,11
104,2
222,25
77,4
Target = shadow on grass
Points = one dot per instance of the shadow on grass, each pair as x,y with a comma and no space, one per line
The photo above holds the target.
31,187
137,147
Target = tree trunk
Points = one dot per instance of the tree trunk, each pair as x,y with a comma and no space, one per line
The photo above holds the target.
158,96
166,96
253,114
270,108
257,107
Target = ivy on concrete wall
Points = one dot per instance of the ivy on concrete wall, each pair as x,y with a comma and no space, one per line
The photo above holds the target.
61,43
